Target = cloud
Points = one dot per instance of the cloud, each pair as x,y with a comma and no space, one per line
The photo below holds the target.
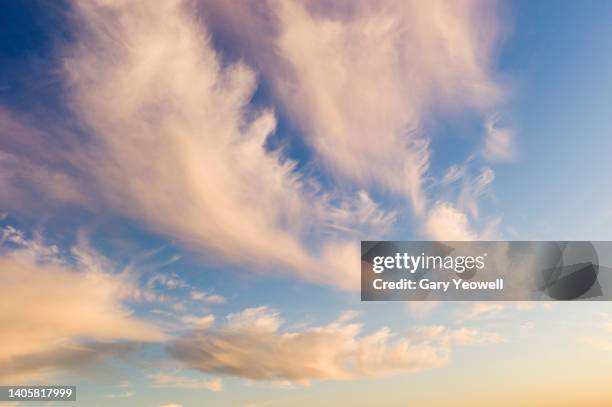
458,219
207,298
161,380
164,130
361,81
37,366
32,166
252,345
482,310
197,322
122,395
491,310
499,142
524,305
350,217
422,309
161,105
461,336
445,222
473,189
62,315
453,174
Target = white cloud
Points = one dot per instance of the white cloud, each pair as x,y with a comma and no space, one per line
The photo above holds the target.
122,395
352,217
445,222
167,281
252,345
196,322
363,81
361,85
453,174
481,310
473,189
162,380
215,299
174,142
461,336
460,220
207,298
491,310
499,142
217,189
422,309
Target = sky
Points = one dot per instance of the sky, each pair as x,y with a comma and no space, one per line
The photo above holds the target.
184,186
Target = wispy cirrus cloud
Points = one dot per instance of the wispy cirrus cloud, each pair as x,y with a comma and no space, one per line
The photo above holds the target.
362,80
172,142
499,141
207,298
166,133
457,215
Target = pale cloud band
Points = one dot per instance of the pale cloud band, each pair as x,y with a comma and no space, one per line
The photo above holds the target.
253,345
72,316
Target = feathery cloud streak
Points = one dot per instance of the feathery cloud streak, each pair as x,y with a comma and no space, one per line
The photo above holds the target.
173,142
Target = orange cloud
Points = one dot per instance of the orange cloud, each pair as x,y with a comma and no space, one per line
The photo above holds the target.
252,345
61,315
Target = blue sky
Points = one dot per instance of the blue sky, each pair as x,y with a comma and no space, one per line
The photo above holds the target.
203,173
561,59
